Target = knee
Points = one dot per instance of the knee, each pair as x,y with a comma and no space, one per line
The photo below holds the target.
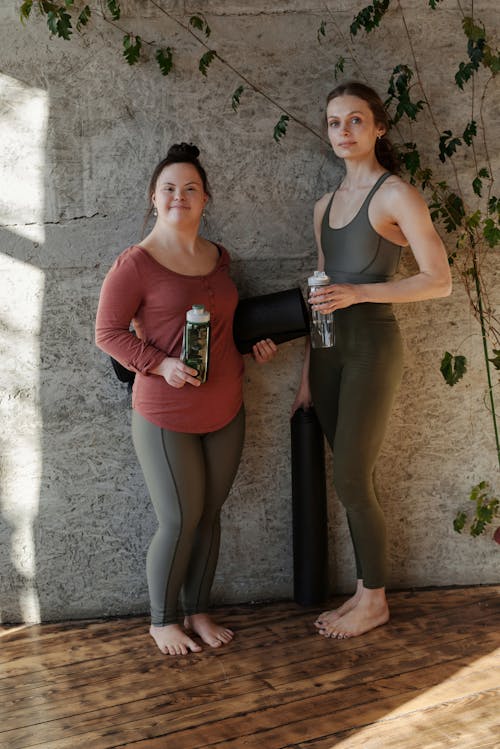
352,485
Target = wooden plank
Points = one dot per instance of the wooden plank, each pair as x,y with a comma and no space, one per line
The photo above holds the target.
179,721
277,669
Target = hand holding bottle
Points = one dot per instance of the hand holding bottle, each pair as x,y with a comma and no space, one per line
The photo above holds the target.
176,373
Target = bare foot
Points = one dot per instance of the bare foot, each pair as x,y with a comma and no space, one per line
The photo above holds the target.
328,617
210,632
370,612
172,640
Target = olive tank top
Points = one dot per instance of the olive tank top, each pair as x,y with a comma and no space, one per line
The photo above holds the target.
355,253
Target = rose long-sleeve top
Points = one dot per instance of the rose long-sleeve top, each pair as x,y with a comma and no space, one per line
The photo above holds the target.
141,291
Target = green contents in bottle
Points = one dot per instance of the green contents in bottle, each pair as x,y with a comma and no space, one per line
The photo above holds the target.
196,341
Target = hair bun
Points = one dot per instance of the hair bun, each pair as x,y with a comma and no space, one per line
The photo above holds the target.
186,151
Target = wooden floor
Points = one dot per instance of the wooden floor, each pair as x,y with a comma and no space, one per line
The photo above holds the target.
428,679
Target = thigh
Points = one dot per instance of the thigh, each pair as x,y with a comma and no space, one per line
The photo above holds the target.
370,378
173,466
325,378
222,451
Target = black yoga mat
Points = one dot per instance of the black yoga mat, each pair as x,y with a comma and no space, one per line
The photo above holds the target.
309,509
281,316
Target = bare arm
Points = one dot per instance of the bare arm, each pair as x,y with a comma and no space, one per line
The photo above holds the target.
303,397
404,206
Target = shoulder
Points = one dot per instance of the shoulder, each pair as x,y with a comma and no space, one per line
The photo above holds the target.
224,256
395,195
395,188
320,205
129,261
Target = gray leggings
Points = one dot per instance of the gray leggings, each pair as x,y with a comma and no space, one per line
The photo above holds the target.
353,387
188,477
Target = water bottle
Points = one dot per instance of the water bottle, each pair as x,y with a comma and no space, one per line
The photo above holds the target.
322,325
196,341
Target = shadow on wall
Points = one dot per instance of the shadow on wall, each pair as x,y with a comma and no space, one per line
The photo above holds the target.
68,476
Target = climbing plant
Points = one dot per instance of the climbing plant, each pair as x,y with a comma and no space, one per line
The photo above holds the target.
474,223
467,208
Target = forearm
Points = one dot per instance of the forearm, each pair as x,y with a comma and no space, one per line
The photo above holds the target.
417,288
304,381
129,350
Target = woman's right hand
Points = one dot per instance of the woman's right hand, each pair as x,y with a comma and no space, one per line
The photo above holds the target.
302,399
176,373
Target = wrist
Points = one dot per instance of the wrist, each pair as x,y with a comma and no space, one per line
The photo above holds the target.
361,293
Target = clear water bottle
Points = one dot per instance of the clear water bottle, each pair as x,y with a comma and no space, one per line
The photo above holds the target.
322,325
196,341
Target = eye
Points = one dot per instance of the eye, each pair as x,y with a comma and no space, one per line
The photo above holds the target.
356,120
333,123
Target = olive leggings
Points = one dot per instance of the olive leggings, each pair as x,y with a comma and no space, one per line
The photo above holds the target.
353,387
188,477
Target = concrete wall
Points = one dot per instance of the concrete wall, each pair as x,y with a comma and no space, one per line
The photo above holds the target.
81,132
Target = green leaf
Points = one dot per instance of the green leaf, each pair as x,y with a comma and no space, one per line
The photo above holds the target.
433,3
132,48
453,368
484,173
477,186
321,31
496,359
411,158
448,145
491,232
206,60
199,22
165,60
399,90
473,221
339,67
115,10
469,132
459,521
494,205
472,31
369,18
83,18
25,10
59,23
235,99
281,127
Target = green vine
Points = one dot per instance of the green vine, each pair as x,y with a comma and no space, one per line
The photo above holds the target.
476,229
486,510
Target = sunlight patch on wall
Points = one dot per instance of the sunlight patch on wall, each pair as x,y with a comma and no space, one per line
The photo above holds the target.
21,304
23,124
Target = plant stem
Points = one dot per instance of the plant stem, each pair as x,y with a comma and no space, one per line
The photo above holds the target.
485,352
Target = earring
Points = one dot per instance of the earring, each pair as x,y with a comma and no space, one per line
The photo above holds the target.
155,212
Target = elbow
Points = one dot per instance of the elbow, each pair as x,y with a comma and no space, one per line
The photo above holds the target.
444,288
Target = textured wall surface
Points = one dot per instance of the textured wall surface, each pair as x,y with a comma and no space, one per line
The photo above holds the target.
81,132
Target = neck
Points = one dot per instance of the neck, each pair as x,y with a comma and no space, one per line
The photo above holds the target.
164,238
360,174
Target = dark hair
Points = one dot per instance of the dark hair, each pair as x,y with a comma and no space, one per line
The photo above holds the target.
384,150
178,153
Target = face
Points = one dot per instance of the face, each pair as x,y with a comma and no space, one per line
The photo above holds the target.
179,196
352,130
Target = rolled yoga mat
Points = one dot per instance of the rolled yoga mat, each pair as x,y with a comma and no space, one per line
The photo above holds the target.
281,316
309,509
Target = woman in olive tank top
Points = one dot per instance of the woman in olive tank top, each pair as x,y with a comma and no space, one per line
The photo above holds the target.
359,230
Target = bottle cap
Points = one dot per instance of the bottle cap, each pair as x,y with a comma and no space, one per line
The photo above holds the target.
318,279
198,313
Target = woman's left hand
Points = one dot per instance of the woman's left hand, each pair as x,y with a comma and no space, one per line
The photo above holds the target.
336,296
264,351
